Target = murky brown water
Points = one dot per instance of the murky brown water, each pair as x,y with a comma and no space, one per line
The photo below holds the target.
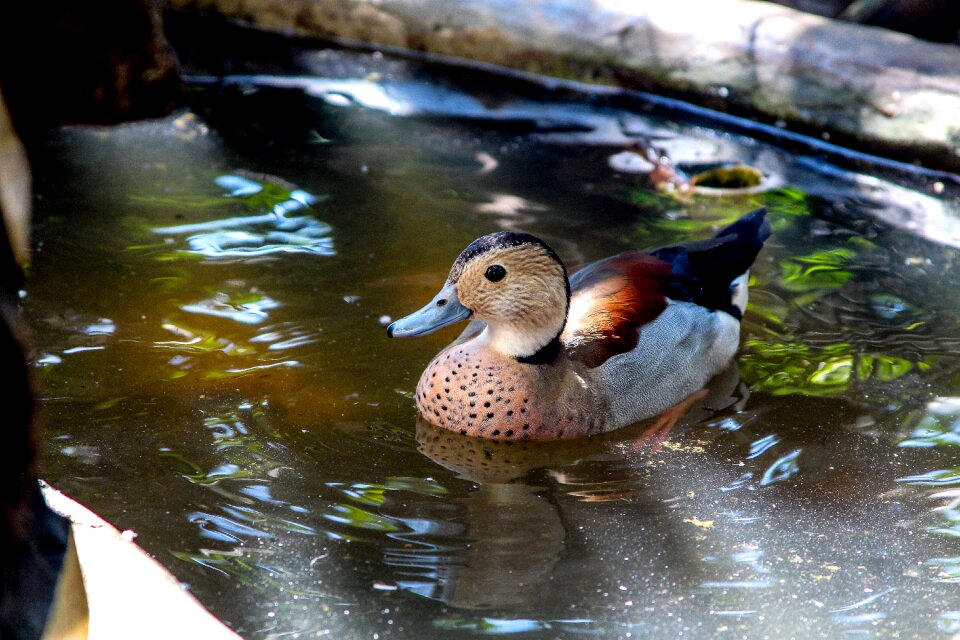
209,296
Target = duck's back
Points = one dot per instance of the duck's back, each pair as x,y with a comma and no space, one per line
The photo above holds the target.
655,327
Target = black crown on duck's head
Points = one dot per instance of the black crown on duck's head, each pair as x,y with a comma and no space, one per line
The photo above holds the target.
500,240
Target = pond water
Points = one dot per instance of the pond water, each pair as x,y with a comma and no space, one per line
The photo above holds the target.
209,297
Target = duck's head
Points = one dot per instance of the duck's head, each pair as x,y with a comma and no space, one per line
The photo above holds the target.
512,281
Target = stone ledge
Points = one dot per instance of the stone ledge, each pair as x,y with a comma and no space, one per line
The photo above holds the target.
876,90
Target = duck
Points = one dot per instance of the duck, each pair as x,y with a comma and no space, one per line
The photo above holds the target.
550,356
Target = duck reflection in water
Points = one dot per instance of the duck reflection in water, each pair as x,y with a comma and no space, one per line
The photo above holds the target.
506,542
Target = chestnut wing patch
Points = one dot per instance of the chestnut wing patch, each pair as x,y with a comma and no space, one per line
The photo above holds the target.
610,300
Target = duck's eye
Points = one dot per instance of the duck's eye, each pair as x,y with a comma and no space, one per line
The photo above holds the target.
495,273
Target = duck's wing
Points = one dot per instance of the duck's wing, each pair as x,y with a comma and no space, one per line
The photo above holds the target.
610,300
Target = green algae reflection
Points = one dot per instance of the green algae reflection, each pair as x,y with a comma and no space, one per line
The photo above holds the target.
777,356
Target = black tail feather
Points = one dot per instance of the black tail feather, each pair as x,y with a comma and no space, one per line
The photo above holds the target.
704,270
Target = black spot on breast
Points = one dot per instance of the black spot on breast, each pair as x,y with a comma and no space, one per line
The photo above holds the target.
489,415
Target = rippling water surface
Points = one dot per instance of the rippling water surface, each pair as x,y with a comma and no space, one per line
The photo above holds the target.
209,298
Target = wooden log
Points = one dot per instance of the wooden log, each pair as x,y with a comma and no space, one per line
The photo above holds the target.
876,90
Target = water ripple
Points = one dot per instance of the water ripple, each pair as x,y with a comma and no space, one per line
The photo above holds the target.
224,529
220,305
284,228
935,478
782,469
758,447
286,335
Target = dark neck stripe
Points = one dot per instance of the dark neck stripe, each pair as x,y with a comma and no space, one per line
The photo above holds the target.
547,353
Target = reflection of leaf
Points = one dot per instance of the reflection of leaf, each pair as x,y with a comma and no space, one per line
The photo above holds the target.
787,201
423,486
767,305
704,217
835,372
784,368
822,271
889,368
375,494
648,199
355,517
937,478
241,455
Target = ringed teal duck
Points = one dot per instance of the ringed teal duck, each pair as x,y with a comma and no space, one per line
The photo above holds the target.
546,357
